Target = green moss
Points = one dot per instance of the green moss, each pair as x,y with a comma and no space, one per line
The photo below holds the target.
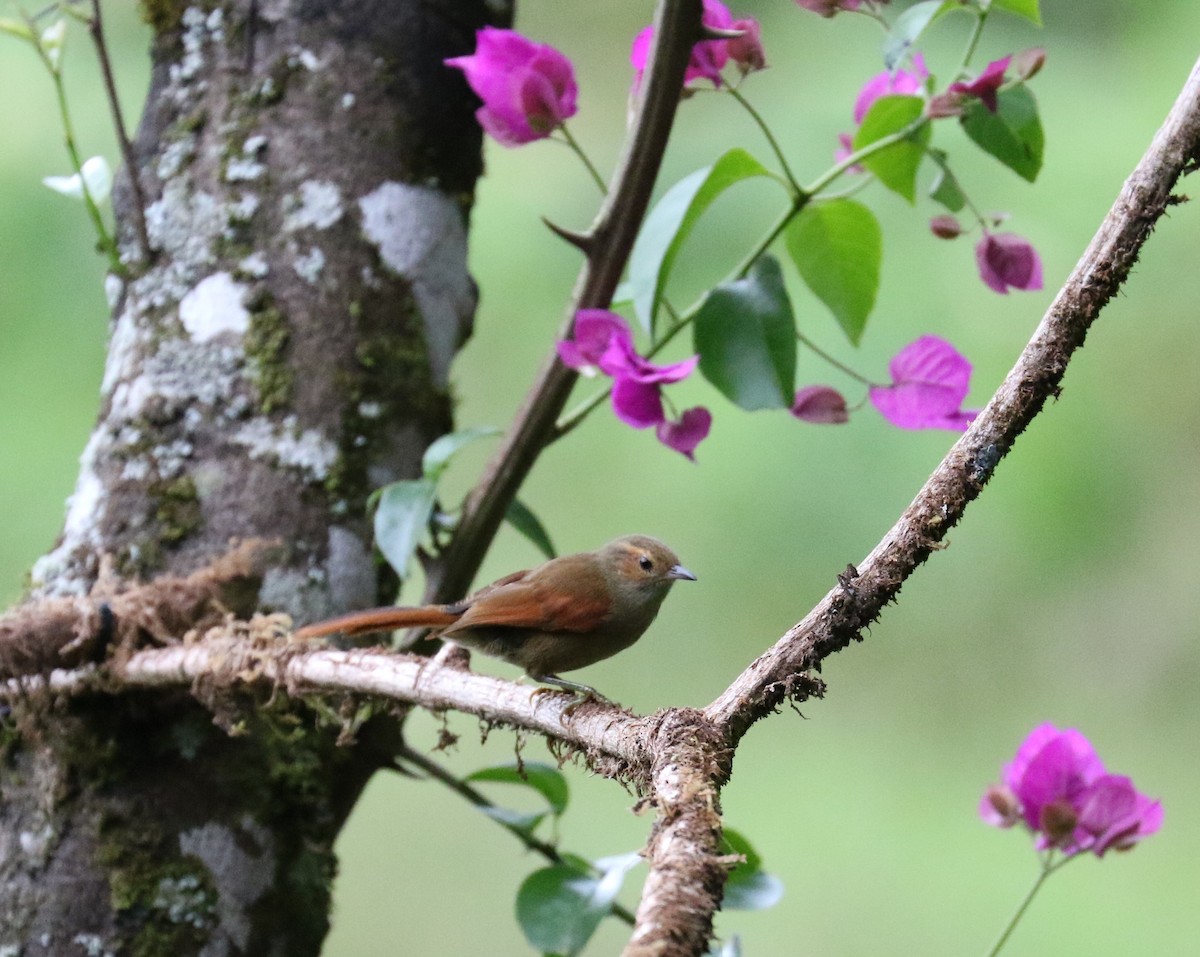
170,897
163,15
266,347
177,508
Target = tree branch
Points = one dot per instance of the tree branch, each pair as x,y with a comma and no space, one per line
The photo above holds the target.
861,593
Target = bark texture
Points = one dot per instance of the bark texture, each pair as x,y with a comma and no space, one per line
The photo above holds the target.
308,167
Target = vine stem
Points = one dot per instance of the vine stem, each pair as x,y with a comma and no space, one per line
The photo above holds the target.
96,29
771,140
583,158
475,797
1049,866
105,241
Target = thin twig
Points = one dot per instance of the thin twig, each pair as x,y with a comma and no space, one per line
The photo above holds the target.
861,594
479,800
96,29
676,28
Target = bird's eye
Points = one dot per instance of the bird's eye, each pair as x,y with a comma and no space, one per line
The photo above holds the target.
645,563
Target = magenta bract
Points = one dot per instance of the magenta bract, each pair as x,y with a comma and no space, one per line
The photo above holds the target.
528,89
708,56
930,379
691,429
986,85
897,82
1058,787
820,404
1008,261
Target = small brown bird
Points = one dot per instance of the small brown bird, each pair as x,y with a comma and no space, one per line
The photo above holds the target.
569,612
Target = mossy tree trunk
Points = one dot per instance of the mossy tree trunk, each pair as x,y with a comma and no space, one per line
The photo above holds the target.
307,167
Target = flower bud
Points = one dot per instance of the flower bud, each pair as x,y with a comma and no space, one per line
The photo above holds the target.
1028,63
747,50
945,104
820,404
945,227
1057,821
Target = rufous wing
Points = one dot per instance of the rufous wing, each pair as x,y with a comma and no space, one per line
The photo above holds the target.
538,603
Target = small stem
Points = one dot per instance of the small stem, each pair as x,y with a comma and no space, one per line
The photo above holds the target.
1049,866
972,41
807,194
578,414
106,242
832,361
578,150
770,137
945,168
475,797
798,203
96,29
869,150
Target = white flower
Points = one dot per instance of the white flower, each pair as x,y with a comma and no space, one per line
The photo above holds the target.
96,175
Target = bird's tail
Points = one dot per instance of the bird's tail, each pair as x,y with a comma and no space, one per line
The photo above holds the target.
382,619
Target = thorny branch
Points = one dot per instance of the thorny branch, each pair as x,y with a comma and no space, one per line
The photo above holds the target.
680,758
607,246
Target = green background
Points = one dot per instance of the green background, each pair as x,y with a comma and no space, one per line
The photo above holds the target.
1068,594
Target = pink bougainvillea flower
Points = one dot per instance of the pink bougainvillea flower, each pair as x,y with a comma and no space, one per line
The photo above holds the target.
708,56
1058,787
528,89
747,50
895,83
637,404
1028,63
986,85
597,331
1008,261
603,342
930,379
683,436
820,404
1113,815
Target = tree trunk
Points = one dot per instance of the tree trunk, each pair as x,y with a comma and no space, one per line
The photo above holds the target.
283,349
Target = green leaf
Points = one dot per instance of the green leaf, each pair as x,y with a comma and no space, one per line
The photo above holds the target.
752,890
442,449
895,165
546,780
670,223
748,886
518,820
401,518
559,908
1022,8
945,190
745,333
1013,134
910,25
520,516
837,247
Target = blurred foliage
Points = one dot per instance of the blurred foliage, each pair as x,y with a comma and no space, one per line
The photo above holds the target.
1066,595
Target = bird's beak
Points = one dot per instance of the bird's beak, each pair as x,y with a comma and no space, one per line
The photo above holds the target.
678,571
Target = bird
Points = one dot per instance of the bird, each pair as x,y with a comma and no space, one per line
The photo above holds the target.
566,613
